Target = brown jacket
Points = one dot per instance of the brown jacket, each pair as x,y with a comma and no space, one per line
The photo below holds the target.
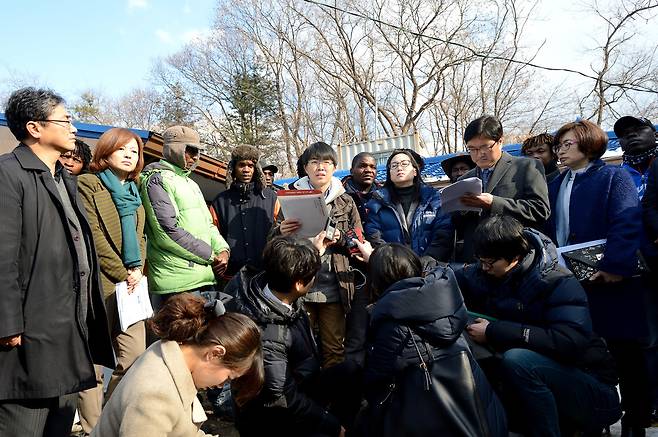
106,230
157,397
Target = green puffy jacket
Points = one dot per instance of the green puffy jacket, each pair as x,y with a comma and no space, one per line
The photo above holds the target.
181,238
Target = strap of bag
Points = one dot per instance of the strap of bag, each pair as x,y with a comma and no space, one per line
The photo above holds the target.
423,364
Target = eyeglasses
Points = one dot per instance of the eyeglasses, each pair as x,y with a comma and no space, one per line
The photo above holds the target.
476,150
316,163
566,145
488,263
401,164
66,123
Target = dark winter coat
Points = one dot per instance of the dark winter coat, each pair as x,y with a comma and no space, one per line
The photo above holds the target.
291,361
540,306
518,187
434,310
650,203
430,233
360,199
40,286
604,204
244,219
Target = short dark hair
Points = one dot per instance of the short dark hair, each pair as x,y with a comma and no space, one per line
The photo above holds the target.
500,236
592,140
320,151
288,261
29,104
536,141
301,171
486,126
360,156
83,151
390,263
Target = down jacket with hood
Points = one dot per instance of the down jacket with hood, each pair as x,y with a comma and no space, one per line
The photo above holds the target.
181,238
430,233
291,360
540,306
433,308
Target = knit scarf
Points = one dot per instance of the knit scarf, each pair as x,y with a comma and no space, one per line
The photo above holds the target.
126,199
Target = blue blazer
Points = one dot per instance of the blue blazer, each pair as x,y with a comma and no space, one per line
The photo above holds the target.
604,204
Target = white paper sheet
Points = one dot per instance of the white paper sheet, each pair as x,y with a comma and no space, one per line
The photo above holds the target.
308,207
135,306
450,195
572,247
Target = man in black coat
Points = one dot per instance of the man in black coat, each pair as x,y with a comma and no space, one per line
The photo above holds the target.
555,372
53,325
510,185
246,211
294,398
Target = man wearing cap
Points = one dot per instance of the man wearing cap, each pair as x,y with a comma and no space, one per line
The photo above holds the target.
183,245
637,138
457,166
246,211
269,170
639,142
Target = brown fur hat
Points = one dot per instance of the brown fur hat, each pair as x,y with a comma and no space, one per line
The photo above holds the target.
246,153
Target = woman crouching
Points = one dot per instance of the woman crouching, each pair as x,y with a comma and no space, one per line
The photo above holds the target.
201,347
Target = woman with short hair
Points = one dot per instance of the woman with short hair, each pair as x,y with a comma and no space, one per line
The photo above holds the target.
201,347
593,201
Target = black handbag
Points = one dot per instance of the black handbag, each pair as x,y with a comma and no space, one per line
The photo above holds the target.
436,396
584,262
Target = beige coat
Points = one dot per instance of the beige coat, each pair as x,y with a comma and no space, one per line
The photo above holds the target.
156,398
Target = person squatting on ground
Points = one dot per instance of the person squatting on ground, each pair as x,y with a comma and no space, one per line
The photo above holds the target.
246,211
201,346
184,248
420,319
615,293
510,185
297,393
556,375
53,325
330,299
408,211
116,215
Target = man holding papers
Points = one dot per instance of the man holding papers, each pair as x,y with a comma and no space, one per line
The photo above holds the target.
330,298
510,185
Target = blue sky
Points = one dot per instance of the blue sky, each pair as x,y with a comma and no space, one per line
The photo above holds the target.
109,46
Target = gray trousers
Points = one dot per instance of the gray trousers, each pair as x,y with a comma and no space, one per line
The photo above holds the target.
52,417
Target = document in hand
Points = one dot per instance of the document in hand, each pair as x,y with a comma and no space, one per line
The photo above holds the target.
135,306
450,195
308,207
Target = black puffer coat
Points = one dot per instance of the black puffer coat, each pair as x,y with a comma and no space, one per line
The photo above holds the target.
433,308
291,360
540,307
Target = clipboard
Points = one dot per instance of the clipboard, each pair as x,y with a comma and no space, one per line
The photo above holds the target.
307,206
